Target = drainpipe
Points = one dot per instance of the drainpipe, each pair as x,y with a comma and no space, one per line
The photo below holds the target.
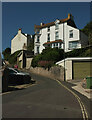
64,53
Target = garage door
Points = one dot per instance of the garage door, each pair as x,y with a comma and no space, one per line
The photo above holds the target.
81,69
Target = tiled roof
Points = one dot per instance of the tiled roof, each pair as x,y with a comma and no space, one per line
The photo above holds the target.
56,41
50,24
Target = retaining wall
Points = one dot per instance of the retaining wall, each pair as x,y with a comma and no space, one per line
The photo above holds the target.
55,72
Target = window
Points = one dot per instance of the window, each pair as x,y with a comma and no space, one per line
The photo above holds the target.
48,37
71,34
60,45
37,49
38,37
73,44
56,35
56,44
56,26
48,28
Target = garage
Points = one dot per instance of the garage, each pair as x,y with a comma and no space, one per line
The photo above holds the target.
76,68
81,69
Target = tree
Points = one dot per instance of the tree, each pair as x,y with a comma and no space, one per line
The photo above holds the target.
88,31
6,53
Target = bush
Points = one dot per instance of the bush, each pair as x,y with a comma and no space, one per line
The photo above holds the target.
6,53
45,64
13,57
48,55
81,52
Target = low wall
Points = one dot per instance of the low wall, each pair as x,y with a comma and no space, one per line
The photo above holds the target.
55,72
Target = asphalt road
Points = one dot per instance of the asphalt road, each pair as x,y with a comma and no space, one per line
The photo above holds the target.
46,99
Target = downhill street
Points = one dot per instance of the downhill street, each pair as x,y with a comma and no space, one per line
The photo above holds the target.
46,99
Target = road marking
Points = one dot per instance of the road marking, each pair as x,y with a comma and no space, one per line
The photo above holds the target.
83,110
30,85
5,93
23,87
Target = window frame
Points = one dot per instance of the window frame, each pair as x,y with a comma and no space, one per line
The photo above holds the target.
37,49
56,35
38,38
72,44
70,33
48,37
56,26
48,29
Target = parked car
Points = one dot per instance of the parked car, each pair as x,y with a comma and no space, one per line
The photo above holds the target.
15,77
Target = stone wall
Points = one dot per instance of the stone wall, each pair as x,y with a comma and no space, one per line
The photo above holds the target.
55,72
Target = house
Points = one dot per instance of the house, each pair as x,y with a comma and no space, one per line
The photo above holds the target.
20,41
24,59
76,68
62,33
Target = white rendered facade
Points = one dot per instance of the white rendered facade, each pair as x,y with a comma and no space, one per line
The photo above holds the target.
19,42
57,33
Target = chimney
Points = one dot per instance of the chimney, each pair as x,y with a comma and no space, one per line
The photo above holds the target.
70,16
41,24
19,31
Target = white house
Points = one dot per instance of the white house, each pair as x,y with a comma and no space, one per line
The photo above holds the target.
61,33
76,67
20,41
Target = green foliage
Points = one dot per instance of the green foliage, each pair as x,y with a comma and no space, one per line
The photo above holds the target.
88,31
13,57
6,53
48,54
35,60
82,52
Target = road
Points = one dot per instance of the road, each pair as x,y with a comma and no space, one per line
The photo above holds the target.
46,99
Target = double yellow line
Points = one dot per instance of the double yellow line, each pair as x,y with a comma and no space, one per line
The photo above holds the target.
83,110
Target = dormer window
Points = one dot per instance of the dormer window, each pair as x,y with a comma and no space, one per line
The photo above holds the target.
48,28
56,26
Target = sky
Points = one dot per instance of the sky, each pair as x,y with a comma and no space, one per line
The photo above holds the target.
25,15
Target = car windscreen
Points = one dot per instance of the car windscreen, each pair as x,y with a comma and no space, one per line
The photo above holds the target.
17,70
12,71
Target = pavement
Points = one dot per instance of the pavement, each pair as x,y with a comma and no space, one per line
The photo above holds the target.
78,87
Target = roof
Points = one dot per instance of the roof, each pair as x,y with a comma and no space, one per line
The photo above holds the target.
75,59
56,41
50,24
69,21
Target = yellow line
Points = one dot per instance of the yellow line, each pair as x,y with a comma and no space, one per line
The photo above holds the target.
5,93
83,110
30,85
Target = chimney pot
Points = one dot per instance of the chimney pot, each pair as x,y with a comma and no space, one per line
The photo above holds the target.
19,31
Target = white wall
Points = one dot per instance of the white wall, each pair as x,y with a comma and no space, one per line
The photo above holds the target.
17,42
28,62
68,68
77,36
